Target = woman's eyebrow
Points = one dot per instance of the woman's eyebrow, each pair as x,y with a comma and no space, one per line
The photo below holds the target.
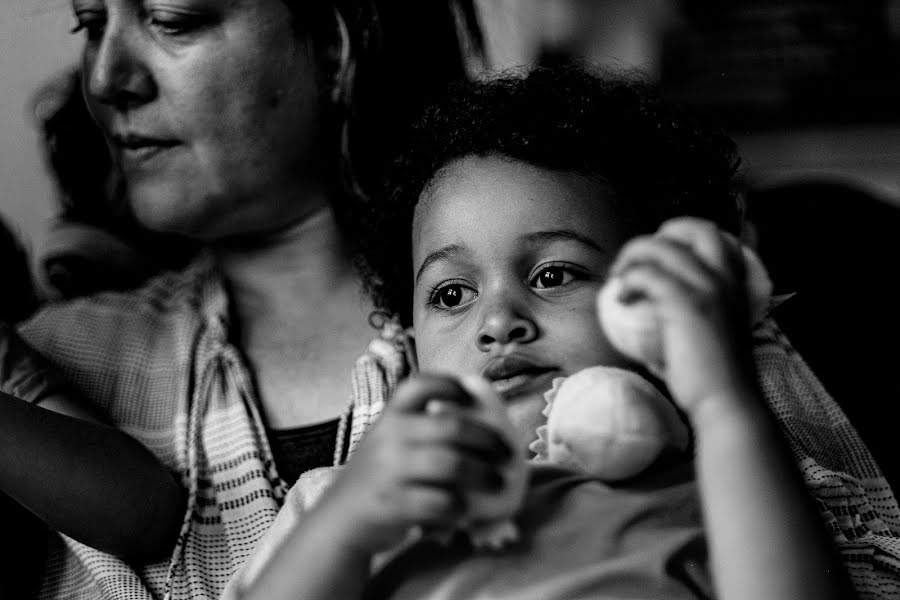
552,235
445,253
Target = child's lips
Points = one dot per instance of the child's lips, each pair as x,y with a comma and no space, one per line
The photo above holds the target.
523,383
515,375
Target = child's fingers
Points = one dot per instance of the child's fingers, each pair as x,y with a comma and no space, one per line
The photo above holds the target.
461,432
675,258
413,395
653,282
448,467
430,505
709,242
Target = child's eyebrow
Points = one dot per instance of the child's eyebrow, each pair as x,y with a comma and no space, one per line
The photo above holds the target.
552,235
446,253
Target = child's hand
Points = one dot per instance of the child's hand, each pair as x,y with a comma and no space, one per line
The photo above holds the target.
694,276
414,467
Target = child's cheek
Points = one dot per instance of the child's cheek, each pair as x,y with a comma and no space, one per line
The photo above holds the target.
436,354
443,346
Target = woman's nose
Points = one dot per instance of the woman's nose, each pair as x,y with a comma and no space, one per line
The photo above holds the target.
117,75
503,323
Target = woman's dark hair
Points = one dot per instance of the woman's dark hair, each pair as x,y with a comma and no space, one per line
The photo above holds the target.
76,153
403,54
18,299
89,193
658,162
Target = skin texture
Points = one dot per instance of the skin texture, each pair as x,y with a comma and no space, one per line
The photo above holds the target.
765,539
224,98
230,94
230,90
518,291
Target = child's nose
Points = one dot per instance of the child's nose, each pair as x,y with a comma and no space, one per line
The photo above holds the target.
505,325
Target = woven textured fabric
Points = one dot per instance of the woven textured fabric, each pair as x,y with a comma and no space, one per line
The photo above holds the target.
158,362
23,373
854,498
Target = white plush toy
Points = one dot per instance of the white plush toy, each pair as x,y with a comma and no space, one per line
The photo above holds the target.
612,423
633,328
609,423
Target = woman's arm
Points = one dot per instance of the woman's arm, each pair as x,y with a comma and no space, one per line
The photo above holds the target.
87,480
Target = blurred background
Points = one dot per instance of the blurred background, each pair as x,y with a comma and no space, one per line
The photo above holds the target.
809,89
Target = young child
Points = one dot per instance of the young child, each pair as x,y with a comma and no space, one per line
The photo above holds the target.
83,478
518,198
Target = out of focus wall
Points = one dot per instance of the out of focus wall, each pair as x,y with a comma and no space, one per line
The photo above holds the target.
807,90
34,44
625,33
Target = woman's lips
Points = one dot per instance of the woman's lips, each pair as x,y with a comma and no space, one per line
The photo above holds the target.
514,375
137,150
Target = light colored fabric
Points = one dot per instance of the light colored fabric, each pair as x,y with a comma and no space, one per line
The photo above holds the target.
854,499
580,538
23,373
853,496
158,362
300,499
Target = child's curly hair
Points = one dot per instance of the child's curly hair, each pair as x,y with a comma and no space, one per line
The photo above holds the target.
658,161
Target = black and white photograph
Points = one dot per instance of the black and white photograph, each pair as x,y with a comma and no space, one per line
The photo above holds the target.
449,299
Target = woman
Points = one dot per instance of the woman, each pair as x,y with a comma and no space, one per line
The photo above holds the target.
256,128
94,244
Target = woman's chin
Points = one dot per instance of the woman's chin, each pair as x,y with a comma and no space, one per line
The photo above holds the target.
168,210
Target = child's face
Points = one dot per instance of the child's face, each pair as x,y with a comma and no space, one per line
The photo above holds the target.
508,259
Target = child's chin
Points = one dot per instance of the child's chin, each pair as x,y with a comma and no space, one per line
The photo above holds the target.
527,414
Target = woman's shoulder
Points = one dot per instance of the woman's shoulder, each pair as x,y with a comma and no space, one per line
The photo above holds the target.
168,298
99,340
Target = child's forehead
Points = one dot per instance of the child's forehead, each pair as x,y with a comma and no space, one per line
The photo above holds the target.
478,197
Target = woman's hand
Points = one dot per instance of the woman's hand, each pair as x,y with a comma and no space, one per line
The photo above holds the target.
414,467
694,275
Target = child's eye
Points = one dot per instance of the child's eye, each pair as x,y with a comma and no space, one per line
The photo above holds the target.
552,276
452,295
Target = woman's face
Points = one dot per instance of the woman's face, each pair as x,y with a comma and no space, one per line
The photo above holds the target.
210,109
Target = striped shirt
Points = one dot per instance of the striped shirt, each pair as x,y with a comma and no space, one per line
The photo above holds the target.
159,363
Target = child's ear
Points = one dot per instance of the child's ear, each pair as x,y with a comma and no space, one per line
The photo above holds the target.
390,328
411,357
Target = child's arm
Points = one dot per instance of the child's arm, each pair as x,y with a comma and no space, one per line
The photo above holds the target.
85,479
413,468
765,537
